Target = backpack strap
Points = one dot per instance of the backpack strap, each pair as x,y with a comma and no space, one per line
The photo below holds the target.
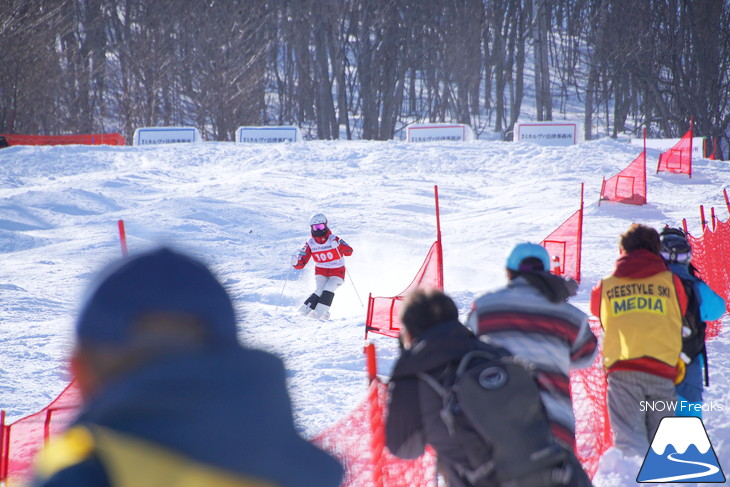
446,416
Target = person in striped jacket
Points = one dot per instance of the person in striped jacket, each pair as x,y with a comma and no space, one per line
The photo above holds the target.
532,319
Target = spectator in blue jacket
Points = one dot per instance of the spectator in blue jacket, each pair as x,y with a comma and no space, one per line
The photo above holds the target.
703,304
170,395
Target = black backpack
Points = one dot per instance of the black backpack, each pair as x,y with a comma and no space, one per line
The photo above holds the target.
492,407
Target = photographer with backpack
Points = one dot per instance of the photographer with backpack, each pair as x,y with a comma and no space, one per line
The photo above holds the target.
703,304
473,402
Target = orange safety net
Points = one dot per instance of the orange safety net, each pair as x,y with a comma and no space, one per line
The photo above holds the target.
22,439
84,139
629,185
359,442
711,258
382,314
592,427
565,243
678,159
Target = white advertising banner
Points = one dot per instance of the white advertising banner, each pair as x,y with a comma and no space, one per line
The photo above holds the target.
268,135
663,145
547,133
166,135
434,132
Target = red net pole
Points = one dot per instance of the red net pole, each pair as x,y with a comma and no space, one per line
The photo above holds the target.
371,362
646,196
439,248
691,135
122,237
702,218
579,250
3,448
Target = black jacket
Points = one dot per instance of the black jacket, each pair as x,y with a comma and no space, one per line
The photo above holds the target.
414,419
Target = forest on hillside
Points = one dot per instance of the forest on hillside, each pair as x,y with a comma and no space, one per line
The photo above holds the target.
364,69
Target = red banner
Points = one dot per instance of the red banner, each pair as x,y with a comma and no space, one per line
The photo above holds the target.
83,139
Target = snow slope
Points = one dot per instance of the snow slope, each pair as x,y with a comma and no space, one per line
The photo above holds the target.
244,209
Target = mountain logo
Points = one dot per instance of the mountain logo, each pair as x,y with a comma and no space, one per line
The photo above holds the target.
681,452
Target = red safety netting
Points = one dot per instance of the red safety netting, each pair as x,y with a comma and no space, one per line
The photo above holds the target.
566,242
711,257
382,314
678,159
22,439
592,427
629,185
359,442
85,139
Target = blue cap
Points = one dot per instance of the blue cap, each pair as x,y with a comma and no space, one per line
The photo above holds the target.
524,251
160,280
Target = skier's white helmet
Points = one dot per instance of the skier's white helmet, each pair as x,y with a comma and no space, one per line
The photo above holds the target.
317,218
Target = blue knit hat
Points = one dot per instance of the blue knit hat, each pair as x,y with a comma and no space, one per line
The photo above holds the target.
523,251
160,280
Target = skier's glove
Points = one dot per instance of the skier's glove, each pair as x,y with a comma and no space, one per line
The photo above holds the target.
294,259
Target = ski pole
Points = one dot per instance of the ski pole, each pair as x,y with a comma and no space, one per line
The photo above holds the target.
355,288
278,304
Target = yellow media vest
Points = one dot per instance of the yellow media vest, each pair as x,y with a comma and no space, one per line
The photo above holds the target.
641,318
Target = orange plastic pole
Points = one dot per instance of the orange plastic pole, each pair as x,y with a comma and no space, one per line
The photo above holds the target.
580,235
371,362
702,217
3,450
122,237
439,247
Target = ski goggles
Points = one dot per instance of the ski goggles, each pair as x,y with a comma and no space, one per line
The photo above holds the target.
319,226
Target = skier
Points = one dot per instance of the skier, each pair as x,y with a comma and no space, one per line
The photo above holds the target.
328,252
703,304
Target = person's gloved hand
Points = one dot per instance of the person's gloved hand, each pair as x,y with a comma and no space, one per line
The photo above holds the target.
572,286
294,259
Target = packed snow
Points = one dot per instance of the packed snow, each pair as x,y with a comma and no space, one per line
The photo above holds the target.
244,209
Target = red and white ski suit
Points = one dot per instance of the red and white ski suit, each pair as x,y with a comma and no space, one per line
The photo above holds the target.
328,253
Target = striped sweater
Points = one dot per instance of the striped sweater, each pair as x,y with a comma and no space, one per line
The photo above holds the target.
552,335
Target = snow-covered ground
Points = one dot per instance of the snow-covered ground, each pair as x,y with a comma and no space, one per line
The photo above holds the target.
244,209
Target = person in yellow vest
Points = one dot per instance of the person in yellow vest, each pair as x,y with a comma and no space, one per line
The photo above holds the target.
170,396
640,306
